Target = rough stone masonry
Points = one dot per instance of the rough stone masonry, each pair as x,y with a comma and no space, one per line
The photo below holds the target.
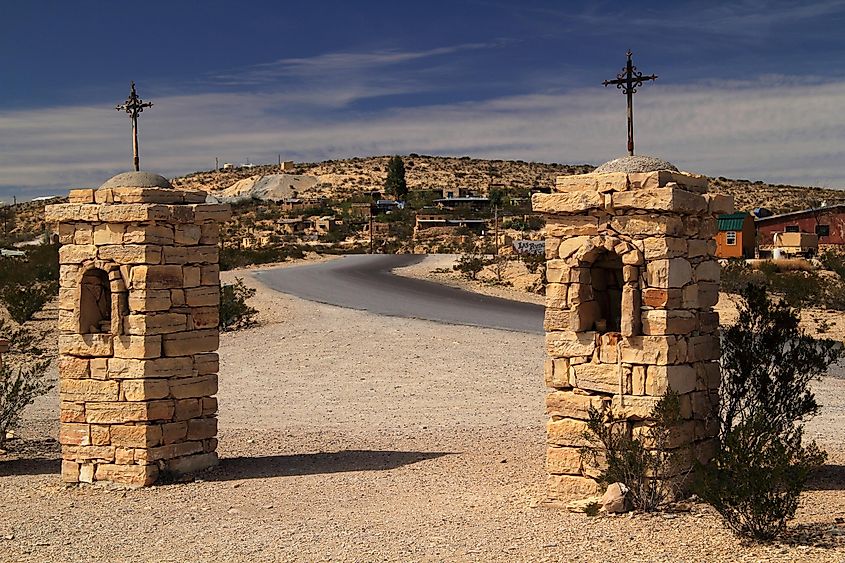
632,280
138,329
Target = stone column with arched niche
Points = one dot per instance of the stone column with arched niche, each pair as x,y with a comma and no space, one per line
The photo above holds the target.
632,281
138,329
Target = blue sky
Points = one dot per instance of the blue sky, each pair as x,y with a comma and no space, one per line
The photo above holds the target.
748,89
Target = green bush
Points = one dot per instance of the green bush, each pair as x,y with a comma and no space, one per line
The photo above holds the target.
234,311
232,258
29,282
762,464
643,463
470,264
23,375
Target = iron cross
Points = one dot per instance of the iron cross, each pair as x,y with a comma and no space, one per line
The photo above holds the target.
628,81
134,106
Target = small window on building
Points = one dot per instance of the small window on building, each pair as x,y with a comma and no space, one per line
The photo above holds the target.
95,302
823,230
793,229
730,238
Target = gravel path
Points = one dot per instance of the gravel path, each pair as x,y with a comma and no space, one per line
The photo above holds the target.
347,436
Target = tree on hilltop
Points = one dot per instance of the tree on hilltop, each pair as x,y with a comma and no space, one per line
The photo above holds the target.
395,184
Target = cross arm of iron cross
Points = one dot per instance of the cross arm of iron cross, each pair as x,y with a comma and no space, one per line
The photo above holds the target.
628,81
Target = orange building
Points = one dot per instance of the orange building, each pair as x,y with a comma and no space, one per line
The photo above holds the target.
736,236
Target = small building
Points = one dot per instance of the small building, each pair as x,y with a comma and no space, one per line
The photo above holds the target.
324,225
827,222
360,210
466,202
387,205
380,229
286,165
736,235
451,193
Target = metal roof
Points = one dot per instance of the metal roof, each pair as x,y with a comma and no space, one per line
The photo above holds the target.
731,221
836,208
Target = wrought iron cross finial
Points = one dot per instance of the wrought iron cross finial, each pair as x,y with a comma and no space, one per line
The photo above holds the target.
134,106
628,81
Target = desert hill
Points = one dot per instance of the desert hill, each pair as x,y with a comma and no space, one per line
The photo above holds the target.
341,178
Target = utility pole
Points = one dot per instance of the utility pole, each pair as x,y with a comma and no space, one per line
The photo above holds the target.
371,227
216,164
496,228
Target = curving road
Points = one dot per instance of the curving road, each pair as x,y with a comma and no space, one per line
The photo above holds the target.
365,282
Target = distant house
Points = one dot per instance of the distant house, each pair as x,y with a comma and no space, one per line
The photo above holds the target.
387,205
466,202
827,222
449,193
736,236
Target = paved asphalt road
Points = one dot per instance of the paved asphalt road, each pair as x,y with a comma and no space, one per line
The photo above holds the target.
365,282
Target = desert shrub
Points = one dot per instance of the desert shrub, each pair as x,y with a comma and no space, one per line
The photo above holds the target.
23,375
643,462
762,464
534,262
736,274
470,264
833,261
232,258
235,313
29,282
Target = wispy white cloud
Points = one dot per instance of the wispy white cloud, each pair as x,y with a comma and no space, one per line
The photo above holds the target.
775,130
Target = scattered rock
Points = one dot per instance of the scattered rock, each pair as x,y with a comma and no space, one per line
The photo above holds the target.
615,499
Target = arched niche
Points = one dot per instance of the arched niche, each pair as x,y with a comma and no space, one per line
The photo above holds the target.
95,302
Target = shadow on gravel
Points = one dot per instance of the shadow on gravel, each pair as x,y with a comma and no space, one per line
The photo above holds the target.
31,466
314,464
827,478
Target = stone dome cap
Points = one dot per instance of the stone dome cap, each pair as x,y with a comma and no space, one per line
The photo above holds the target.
635,163
137,180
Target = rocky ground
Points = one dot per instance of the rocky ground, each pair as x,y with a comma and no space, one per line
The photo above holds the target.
350,437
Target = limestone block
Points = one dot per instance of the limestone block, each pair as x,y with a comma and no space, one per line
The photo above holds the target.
709,270
641,226
638,380
576,225
708,228
192,342
708,322
74,368
188,235
690,296
661,178
72,411
556,319
81,196
557,271
131,475
202,428
583,316
108,233
217,212
130,253
576,183
633,407
604,378
666,298
567,202
210,233
70,471
192,463
654,350
659,322
66,232
631,322
556,373
703,348
205,296
205,364
209,405
708,294
136,435
88,453
143,389
174,450
719,204
124,368
99,368
133,212
76,253
191,276
657,248
174,432
668,199
149,234
85,345
175,255
570,246
566,487
69,275
187,409
570,404
156,277
177,297
83,234
611,182
71,212
203,254
194,387
125,411
146,195
88,390
205,317
697,247
141,347
75,434
209,274
563,461
681,378
149,300
155,323
566,432
669,273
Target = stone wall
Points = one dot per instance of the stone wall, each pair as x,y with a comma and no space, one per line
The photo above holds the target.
138,320
632,280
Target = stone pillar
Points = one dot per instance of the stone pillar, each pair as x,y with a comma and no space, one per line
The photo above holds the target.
632,280
138,329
